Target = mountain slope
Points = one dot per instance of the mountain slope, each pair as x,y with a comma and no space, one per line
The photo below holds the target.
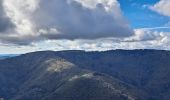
148,70
80,75
46,76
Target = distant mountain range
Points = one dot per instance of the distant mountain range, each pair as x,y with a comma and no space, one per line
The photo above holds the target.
4,56
80,75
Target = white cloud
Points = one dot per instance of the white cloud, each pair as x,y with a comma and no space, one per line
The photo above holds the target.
64,19
4,20
143,39
74,25
146,34
162,7
19,13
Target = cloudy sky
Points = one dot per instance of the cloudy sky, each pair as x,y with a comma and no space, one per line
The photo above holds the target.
36,25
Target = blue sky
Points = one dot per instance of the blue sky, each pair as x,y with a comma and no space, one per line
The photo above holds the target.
140,16
91,25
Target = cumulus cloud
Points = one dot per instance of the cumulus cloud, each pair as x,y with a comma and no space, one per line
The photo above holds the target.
145,35
162,7
5,23
74,24
86,19
145,38
63,19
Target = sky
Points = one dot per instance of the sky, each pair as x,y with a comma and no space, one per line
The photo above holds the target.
91,25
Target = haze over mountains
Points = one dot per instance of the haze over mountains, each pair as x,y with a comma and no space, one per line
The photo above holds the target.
4,56
80,75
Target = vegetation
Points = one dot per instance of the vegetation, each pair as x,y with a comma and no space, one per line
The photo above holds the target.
80,75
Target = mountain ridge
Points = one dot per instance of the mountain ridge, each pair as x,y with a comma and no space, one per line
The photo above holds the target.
138,74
